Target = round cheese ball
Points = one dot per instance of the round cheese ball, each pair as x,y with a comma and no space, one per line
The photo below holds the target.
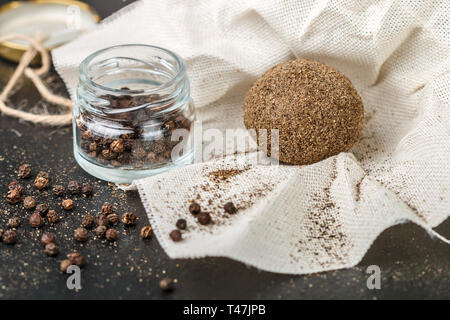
316,109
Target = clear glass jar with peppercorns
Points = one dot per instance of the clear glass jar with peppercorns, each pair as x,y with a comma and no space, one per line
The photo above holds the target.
133,115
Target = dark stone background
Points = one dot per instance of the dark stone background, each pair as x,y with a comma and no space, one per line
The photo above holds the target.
413,265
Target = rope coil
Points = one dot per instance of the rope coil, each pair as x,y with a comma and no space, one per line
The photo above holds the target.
34,75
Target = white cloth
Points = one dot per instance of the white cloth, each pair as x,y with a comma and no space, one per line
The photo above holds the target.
310,218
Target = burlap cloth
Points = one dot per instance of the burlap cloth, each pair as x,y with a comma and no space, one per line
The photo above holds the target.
310,218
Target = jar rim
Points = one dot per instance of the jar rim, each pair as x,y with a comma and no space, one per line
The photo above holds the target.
83,70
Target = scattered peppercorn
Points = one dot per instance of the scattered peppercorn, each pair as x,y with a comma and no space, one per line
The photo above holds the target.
166,284
107,208
100,231
81,234
59,190
24,171
117,146
86,189
67,204
51,249
111,234
204,218
230,208
35,220
88,221
181,224
13,222
29,203
42,180
146,232
9,237
76,258
128,219
194,208
65,264
15,186
52,216
74,187
113,218
42,209
102,220
47,238
1,234
13,196
175,235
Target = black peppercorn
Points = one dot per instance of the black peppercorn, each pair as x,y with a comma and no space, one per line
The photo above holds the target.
42,180
52,216
111,234
59,190
86,189
74,187
181,224
9,237
230,208
47,238
204,218
1,234
13,196
146,232
113,218
107,208
24,171
65,264
35,220
117,146
88,221
29,203
15,186
175,235
102,220
42,209
13,222
67,204
76,258
194,208
51,249
100,231
81,234
128,219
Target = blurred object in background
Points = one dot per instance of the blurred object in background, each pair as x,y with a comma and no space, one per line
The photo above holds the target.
59,21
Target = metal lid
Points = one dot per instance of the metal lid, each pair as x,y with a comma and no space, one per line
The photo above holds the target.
60,21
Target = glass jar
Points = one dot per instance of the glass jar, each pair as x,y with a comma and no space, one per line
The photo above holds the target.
133,116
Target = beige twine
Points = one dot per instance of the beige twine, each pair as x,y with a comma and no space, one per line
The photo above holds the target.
34,76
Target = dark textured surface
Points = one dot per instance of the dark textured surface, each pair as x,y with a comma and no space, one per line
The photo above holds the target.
412,264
